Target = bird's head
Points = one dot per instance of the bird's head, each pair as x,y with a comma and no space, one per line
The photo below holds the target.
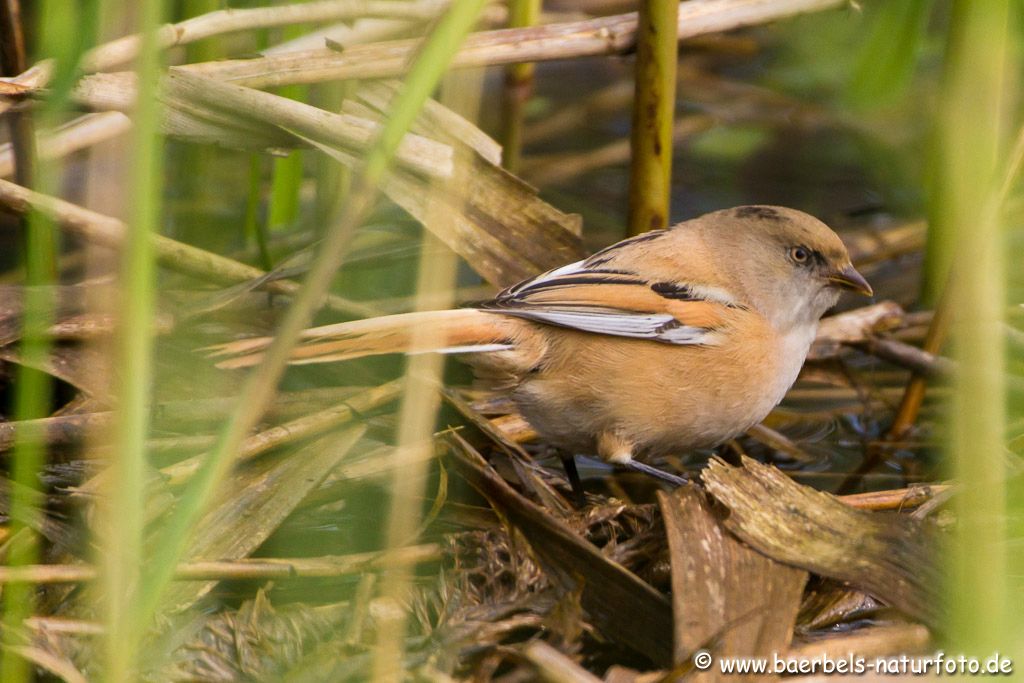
790,265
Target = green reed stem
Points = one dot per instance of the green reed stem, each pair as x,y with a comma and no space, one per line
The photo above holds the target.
199,181
63,34
33,389
653,116
285,185
255,229
134,363
975,94
518,87
286,178
204,50
333,181
421,399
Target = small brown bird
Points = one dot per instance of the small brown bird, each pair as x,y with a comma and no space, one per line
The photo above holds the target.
668,341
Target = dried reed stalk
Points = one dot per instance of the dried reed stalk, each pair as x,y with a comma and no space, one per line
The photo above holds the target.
606,35
109,232
243,569
123,50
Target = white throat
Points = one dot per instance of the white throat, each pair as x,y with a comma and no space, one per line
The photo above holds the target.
797,314
794,346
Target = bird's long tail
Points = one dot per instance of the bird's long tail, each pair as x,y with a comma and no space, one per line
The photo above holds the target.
451,331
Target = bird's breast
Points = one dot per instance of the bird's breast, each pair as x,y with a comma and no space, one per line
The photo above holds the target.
659,397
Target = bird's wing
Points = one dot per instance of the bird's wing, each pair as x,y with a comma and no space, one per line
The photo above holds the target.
619,303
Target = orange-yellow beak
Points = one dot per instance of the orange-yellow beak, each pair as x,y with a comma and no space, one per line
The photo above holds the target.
849,278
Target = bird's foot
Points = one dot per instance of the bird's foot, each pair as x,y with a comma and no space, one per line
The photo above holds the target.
637,466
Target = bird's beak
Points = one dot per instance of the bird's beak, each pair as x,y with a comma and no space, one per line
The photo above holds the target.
849,278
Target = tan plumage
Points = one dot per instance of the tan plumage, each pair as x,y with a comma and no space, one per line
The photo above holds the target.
668,341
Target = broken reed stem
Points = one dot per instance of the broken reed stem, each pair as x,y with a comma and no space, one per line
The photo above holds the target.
591,37
779,442
110,232
246,569
896,499
714,576
62,430
654,106
266,120
299,428
123,50
518,87
345,34
269,120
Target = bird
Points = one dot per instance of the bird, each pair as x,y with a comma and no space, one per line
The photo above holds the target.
665,342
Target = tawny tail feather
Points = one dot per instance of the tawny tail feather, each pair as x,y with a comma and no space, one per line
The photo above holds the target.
447,331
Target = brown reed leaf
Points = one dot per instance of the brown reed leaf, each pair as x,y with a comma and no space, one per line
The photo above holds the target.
724,592
887,556
259,499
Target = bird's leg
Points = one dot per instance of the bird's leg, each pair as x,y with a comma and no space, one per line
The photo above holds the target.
618,450
637,466
573,475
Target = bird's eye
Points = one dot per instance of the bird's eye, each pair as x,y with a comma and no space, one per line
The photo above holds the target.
799,254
